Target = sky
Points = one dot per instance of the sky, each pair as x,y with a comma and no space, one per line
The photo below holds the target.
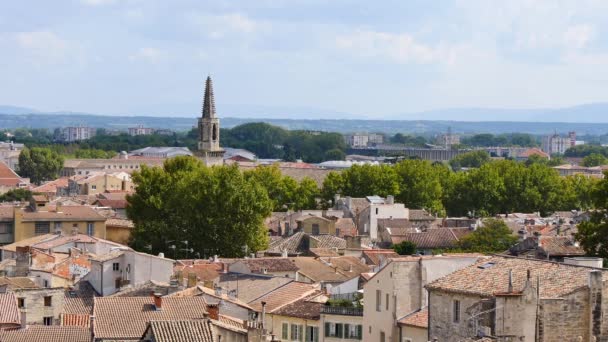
339,58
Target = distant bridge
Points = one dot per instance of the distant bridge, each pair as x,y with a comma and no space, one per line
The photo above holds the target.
432,154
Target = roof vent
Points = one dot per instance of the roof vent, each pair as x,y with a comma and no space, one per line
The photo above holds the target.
486,265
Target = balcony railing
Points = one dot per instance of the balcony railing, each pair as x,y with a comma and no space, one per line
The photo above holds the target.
339,310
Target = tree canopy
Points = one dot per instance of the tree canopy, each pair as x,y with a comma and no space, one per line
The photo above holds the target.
493,237
595,159
213,208
405,248
470,159
39,164
593,234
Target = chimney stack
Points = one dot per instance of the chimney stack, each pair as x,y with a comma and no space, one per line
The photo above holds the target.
214,311
510,290
92,327
192,280
390,199
23,319
158,301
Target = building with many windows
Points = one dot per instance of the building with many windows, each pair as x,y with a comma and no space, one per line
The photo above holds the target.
556,144
76,133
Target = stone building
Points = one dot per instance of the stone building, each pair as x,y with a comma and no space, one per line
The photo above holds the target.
556,144
513,299
41,306
209,149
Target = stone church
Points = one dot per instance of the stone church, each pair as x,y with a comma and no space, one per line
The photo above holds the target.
209,150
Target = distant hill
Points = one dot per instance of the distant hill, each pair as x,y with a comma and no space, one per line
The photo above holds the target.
16,110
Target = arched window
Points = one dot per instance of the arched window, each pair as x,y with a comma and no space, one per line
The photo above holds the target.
214,132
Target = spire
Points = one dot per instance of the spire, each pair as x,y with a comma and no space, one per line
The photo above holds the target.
208,100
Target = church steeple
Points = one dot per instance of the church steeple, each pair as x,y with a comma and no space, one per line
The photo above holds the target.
209,129
208,100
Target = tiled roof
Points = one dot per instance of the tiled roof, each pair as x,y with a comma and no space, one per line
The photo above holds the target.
258,265
52,333
81,320
9,311
490,276
66,213
79,299
126,317
337,269
300,242
107,256
250,286
213,298
233,322
204,271
28,242
119,222
7,213
18,283
533,151
303,308
51,187
61,240
323,252
376,256
358,204
560,246
114,204
8,177
418,319
346,226
282,296
433,238
394,223
182,331
420,215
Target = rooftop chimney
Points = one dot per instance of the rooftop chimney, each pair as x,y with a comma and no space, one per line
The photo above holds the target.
158,301
284,253
510,290
92,327
192,279
23,319
214,311
390,199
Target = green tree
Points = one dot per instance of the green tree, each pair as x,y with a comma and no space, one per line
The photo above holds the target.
306,194
216,209
471,159
335,154
405,248
281,189
595,159
593,234
16,195
493,237
39,164
420,185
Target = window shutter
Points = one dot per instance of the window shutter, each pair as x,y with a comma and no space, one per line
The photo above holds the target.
326,329
300,332
339,330
316,333
346,330
359,332
285,334
294,331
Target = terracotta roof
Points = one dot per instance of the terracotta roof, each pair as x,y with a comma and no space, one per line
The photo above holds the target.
47,333
79,299
66,213
490,276
420,215
28,242
258,265
337,269
61,240
114,204
394,223
232,321
80,320
18,283
323,252
51,186
533,151
204,271
250,286
126,317
299,243
303,308
433,238
181,331
376,256
560,246
9,311
358,204
346,226
215,299
282,296
418,319
8,177
119,222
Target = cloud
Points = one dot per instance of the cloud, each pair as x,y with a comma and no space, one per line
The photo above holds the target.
223,25
401,48
578,36
148,54
42,45
98,2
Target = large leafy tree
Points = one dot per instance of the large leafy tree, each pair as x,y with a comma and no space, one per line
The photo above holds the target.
420,184
39,164
595,159
493,237
593,234
216,209
470,159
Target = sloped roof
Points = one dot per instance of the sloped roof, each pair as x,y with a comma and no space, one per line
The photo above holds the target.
490,276
79,299
346,226
560,246
204,271
181,331
375,256
433,238
420,215
66,213
127,317
47,333
51,186
18,283
296,244
9,311
8,177
303,308
282,296
258,265
251,286
418,318
28,242
337,269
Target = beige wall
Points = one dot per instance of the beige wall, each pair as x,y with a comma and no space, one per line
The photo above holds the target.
414,334
26,230
343,319
326,226
275,325
35,310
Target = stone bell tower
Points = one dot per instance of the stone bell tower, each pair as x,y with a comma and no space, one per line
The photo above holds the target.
209,130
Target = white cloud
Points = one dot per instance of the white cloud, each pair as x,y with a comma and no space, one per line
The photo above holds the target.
42,45
578,36
148,54
98,2
401,48
221,26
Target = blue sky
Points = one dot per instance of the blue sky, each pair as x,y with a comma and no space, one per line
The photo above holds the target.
369,58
